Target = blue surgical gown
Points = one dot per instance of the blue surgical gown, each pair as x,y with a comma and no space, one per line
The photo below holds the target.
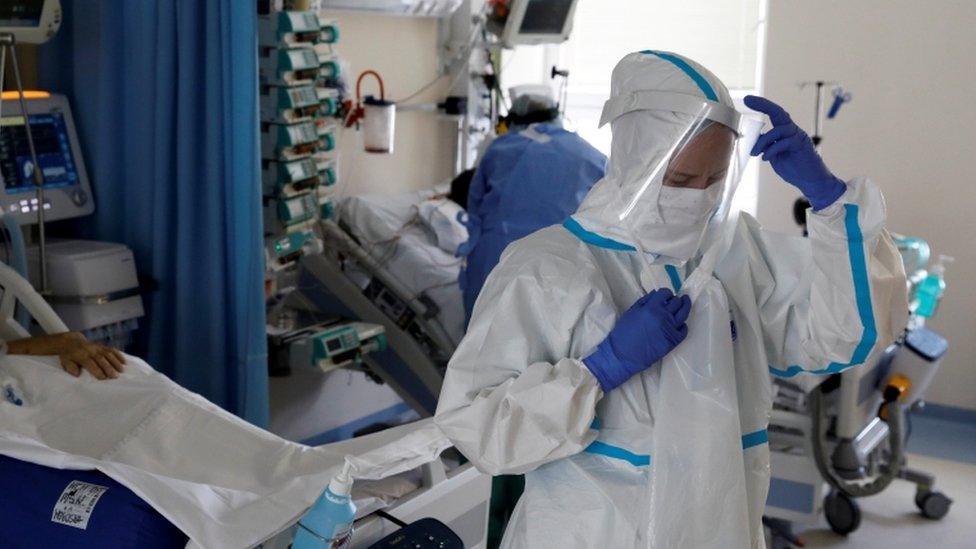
526,181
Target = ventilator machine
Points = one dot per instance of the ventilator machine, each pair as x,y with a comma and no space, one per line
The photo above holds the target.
92,285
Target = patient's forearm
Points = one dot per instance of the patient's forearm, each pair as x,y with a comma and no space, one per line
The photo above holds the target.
74,352
44,345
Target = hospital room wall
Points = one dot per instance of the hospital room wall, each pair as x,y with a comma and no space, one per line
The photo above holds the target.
909,127
404,51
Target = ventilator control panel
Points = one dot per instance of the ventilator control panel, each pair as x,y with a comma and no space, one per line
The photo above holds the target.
66,190
53,152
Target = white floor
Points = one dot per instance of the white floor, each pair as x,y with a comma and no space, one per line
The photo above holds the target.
891,520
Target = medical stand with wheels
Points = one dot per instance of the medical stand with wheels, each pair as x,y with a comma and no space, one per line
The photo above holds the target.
93,286
8,42
837,439
844,438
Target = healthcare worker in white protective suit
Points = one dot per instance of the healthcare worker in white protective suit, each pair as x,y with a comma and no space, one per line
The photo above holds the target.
621,360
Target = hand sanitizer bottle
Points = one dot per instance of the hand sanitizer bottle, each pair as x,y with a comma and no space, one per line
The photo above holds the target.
930,289
328,524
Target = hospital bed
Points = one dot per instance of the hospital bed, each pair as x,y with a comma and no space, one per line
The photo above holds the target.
444,489
457,495
381,265
839,438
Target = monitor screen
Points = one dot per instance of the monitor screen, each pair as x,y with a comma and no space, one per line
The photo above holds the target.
333,345
53,152
545,16
21,13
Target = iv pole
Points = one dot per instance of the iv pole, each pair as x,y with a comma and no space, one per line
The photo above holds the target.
8,42
818,114
801,204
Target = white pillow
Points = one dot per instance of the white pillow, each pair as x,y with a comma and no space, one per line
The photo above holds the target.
446,219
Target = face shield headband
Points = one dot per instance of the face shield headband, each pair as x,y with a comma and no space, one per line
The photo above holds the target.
686,142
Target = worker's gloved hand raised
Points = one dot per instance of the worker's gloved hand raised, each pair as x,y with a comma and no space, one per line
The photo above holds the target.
650,329
793,156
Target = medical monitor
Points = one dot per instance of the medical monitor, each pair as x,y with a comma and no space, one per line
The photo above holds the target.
538,22
30,21
67,192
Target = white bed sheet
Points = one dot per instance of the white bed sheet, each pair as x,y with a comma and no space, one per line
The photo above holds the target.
222,481
388,228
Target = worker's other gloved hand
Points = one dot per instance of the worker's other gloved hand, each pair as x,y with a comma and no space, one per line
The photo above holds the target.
791,153
650,329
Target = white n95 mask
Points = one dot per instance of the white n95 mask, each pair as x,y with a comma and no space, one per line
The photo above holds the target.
688,207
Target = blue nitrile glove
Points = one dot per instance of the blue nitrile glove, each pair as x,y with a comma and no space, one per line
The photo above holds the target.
650,329
791,153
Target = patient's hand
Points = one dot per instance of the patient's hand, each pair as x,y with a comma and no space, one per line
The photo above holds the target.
74,351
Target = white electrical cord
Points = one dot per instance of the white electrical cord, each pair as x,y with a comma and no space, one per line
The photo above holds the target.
463,57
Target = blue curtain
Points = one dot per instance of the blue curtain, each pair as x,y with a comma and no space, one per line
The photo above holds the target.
164,93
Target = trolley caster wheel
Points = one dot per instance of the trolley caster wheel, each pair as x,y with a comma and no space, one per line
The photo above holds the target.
933,505
842,512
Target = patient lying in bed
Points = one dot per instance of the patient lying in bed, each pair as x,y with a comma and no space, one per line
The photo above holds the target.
75,353
415,236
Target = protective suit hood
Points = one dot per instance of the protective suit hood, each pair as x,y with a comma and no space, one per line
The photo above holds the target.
660,103
677,455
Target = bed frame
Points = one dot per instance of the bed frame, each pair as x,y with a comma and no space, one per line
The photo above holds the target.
419,347
413,364
17,291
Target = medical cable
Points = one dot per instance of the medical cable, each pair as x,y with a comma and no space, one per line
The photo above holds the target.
461,58
390,253
394,241
391,518
425,87
496,70
347,245
465,56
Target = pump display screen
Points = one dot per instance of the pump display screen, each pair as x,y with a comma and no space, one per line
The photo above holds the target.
21,13
53,152
545,16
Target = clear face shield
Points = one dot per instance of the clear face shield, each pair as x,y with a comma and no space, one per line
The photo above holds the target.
677,161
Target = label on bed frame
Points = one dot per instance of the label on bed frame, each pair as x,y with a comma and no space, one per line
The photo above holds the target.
77,503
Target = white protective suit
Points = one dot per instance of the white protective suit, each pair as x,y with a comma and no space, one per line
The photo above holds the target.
676,456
